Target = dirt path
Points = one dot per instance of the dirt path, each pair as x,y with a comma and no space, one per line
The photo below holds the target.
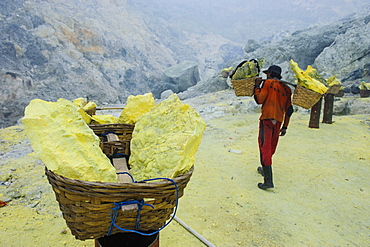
321,195
321,186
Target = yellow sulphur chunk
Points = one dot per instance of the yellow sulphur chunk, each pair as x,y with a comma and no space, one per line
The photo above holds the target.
334,81
315,75
135,107
86,117
81,102
65,143
165,140
104,119
364,85
89,106
306,81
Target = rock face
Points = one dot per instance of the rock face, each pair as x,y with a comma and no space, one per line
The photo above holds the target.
102,50
349,54
341,48
178,78
108,50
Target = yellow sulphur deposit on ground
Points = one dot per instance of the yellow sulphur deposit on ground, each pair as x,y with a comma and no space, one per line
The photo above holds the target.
165,140
64,142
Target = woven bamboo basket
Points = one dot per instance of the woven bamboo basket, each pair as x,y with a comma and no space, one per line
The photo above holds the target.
339,94
364,93
123,132
243,87
333,89
304,97
86,206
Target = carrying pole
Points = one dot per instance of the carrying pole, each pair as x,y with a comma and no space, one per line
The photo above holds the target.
200,237
285,82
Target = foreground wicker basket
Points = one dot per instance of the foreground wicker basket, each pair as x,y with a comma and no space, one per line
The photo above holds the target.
305,98
86,206
243,87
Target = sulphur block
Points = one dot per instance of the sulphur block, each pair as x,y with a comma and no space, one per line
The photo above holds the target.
86,117
334,81
165,140
305,80
81,102
135,107
104,119
63,141
89,106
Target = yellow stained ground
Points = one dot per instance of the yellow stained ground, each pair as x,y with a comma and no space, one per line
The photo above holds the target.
321,195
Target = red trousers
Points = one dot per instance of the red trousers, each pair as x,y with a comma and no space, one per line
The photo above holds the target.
268,138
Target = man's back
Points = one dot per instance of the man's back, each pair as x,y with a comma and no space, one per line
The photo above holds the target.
275,98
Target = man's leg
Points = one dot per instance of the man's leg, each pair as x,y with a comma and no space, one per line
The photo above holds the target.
267,140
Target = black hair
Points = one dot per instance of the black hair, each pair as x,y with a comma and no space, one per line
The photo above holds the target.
273,74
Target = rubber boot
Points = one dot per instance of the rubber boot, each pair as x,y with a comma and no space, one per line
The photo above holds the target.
267,171
260,170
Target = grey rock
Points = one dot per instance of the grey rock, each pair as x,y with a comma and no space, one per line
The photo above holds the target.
213,84
178,78
166,94
341,48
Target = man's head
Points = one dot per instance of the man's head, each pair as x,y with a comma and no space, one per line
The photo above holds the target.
273,71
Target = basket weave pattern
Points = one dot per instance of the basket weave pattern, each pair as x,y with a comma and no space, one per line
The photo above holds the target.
304,97
86,206
124,133
244,87
364,93
333,89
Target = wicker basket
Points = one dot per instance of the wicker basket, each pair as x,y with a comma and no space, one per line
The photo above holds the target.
86,206
339,94
305,98
243,87
333,89
364,93
124,133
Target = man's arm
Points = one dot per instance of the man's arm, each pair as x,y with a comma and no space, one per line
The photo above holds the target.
258,96
288,114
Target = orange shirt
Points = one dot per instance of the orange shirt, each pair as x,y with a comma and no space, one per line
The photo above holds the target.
275,98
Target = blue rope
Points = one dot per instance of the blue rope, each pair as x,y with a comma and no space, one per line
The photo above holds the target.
127,174
115,210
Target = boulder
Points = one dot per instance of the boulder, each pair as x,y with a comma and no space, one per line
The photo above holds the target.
212,84
178,78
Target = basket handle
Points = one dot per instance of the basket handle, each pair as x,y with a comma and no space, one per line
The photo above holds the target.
241,64
256,62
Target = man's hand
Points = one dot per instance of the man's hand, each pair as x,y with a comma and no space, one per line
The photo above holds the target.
258,81
282,132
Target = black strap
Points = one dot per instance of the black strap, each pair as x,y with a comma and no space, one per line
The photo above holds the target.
241,64
256,62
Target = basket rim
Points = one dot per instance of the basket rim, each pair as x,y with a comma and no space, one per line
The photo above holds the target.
311,91
138,184
244,79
